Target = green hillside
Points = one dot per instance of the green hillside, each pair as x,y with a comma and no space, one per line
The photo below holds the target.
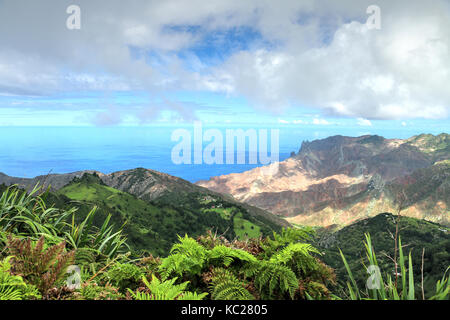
415,235
438,146
154,226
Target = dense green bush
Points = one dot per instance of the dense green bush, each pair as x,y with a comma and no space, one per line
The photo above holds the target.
124,275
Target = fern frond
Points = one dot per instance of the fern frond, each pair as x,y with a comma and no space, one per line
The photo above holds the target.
188,256
189,247
192,296
272,278
165,290
297,255
39,266
226,255
225,286
13,287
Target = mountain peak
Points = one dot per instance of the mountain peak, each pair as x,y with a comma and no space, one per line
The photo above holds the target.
338,141
353,177
88,178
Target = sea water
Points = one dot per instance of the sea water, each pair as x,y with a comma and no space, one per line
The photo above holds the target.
32,151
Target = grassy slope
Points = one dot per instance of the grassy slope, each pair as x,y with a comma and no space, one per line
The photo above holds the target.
150,185
154,226
244,228
148,227
229,209
437,146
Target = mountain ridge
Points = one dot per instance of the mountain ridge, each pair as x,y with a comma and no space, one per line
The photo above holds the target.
339,179
146,184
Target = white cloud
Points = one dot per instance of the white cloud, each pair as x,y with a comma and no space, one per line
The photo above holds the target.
283,121
317,54
322,122
364,122
400,71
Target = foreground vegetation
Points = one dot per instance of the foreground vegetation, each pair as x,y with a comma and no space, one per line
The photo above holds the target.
422,239
50,253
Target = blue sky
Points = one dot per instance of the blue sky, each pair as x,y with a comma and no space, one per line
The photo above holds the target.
297,64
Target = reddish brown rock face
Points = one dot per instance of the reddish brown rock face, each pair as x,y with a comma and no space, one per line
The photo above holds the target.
340,179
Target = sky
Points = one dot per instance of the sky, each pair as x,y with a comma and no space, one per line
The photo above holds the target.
299,63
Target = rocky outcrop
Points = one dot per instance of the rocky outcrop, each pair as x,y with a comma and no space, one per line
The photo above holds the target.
339,179
52,181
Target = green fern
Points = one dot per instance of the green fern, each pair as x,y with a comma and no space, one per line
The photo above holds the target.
225,286
274,279
13,287
189,247
188,256
192,296
179,264
166,290
298,256
287,236
41,267
226,255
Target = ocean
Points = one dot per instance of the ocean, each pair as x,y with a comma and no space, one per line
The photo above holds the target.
32,151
